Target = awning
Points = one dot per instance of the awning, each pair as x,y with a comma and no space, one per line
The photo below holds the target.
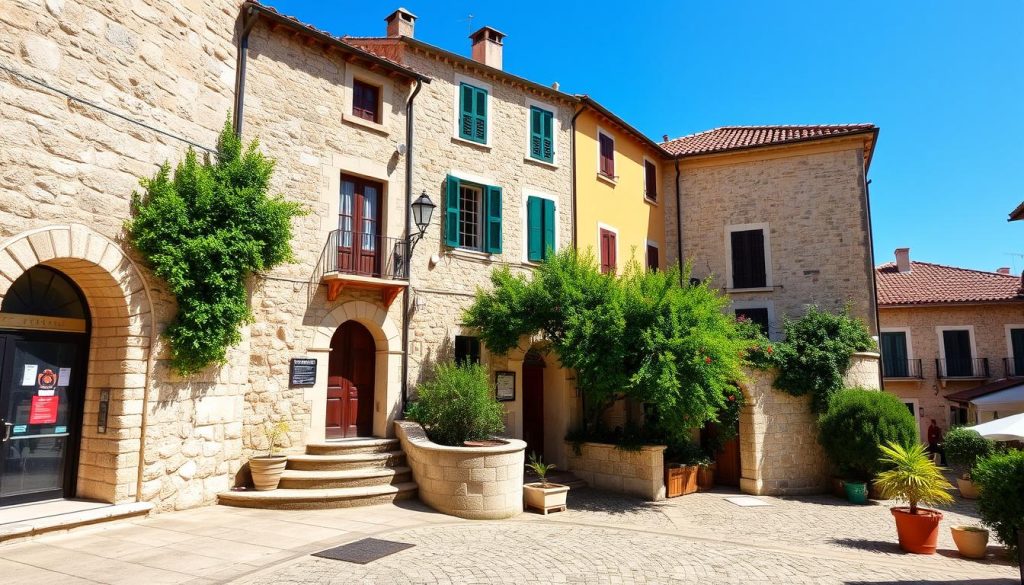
998,386
1010,396
1010,428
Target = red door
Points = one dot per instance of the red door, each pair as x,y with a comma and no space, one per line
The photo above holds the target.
533,406
358,227
350,376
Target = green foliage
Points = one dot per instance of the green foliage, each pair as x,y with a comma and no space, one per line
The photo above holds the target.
640,336
911,476
273,432
964,448
686,452
205,230
815,354
856,423
457,405
1000,478
542,469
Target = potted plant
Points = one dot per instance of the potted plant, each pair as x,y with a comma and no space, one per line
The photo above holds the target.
266,469
852,429
685,459
1000,477
544,495
964,448
706,476
912,477
971,541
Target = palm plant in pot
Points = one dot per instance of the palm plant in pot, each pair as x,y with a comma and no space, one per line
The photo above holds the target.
266,469
544,495
964,448
911,476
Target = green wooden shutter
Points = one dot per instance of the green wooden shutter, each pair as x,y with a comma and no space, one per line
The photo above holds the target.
480,109
549,227
536,133
451,212
548,133
492,231
1017,342
468,118
894,355
534,229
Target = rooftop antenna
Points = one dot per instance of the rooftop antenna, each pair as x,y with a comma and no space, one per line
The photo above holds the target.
469,23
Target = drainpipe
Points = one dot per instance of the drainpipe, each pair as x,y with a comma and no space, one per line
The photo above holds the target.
246,20
572,157
679,222
874,283
408,239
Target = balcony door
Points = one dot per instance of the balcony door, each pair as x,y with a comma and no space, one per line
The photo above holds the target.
359,227
959,359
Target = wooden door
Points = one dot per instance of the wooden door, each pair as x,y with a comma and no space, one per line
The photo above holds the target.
608,259
350,382
727,457
533,407
358,227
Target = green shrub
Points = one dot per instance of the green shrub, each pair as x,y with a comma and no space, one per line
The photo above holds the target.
458,405
1000,479
856,423
911,476
964,448
815,355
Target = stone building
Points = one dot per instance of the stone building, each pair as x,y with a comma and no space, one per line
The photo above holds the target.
952,340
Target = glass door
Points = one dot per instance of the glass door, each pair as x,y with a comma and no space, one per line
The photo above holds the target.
40,398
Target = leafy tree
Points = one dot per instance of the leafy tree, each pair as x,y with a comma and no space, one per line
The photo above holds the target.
205,230
640,336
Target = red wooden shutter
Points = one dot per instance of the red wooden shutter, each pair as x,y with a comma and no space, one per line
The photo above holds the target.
652,258
365,101
607,155
607,251
651,179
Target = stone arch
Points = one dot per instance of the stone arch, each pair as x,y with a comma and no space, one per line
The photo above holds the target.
388,367
120,348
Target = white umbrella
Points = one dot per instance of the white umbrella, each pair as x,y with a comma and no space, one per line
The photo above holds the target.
1010,428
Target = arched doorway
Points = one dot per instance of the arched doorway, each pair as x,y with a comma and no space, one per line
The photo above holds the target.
350,382
44,347
533,403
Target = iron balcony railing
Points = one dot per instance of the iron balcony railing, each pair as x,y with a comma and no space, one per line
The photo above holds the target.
362,254
962,368
1013,367
902,368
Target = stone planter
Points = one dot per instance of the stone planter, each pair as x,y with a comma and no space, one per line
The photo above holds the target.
266,471
545,498
971,541
605,466
967,488
680,479
480,483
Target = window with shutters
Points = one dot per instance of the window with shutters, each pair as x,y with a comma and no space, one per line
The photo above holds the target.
895,354
748,256
957,352
365,101
606,155
1015,363
540,228
467,350
472,113
542,134
650,181
472,216
653,260
607,242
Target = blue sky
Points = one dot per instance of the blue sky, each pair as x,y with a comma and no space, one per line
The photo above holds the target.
943,80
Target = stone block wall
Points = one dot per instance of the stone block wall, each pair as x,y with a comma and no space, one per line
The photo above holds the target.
607,467
480,483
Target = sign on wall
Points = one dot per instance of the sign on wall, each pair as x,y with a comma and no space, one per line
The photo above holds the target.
303,372
505,386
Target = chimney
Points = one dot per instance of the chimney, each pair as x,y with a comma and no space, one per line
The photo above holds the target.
487,46
1003,270
664,137
401,23
903,259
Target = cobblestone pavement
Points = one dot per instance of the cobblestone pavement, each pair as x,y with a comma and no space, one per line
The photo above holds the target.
700,538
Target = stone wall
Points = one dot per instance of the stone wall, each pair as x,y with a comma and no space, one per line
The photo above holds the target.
480,483
603,466
990,339
811,197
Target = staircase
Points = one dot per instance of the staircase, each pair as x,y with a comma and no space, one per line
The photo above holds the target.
343,474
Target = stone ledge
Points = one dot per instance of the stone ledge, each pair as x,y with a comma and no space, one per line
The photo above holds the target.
28,528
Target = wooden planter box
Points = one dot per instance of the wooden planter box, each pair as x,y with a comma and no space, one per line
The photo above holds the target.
680,480
706,477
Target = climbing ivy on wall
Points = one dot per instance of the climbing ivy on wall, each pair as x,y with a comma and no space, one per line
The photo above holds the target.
205,229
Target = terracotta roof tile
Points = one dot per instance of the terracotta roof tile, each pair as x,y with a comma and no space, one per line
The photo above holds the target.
928,283
738,137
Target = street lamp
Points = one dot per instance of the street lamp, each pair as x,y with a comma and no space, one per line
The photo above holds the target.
422,210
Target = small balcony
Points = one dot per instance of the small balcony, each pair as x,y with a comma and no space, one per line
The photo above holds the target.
352,259
902,369
1013,367
962,369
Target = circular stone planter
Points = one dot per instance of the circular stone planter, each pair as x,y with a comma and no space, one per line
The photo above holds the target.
967,488
479,483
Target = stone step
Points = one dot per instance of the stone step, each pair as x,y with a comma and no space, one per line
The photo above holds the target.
347,461
352,446
315,499
298,479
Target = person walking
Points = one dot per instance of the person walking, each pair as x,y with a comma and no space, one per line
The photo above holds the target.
935,442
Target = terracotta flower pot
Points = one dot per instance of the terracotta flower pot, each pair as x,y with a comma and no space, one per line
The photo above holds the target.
918,533
545,498
971,541
266,471
967,488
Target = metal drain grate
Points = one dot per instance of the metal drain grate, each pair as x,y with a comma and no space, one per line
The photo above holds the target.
363,551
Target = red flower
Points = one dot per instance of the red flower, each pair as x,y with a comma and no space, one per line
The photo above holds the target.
731,398
707,359
769,349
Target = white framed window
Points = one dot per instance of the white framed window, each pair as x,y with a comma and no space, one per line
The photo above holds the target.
471,216
539,216
608,247
651,184
748,257
358,94
480,113
606,156
652,255
897,348
760,312
1014,361
958,352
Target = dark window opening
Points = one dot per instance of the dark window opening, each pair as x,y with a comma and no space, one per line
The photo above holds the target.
748,259
467,350
366,101
650,181
759,316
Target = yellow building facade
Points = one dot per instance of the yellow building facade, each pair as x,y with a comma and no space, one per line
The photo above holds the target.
619,199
